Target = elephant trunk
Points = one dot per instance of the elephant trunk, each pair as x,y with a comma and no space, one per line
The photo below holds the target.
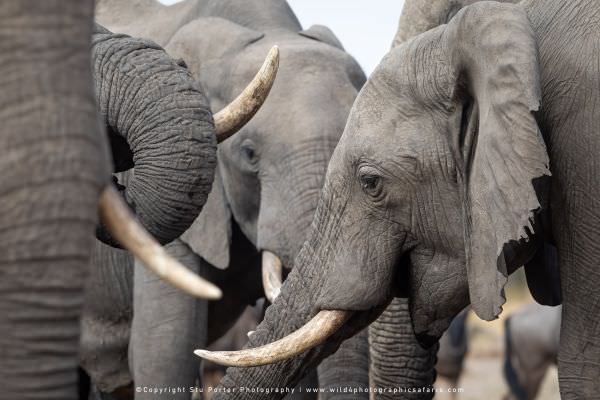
159,122
294,308
397,358
54,164
347,368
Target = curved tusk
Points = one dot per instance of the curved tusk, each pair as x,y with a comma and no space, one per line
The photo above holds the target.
314,333
235,115
115,214
271,275
250,333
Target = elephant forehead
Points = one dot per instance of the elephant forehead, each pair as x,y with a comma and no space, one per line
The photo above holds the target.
383,127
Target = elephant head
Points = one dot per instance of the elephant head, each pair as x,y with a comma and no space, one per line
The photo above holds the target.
158,120
431,193
271,172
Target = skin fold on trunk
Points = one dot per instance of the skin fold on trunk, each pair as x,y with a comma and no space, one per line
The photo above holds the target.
397,358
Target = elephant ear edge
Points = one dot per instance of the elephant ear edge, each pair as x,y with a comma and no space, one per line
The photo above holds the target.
322,34
209,236
493,51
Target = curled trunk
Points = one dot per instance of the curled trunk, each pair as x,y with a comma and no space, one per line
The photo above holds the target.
397,358
158,122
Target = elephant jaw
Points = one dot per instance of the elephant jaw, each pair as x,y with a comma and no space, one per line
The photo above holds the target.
312,334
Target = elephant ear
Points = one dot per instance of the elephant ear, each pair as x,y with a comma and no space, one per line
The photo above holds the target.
493,53
210,234
322,34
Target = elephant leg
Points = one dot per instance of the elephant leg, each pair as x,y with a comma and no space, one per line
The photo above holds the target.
165,331
346,368
106,319
397,359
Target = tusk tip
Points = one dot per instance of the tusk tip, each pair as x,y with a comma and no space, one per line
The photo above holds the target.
201,353
211,293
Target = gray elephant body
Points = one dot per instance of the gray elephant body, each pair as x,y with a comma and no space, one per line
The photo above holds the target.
269,174
445,163
532,336
55,162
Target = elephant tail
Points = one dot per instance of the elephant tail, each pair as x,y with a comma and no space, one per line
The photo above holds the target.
510,374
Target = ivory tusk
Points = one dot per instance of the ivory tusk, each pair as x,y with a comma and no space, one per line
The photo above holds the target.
235,115
314,333
122,224
272,278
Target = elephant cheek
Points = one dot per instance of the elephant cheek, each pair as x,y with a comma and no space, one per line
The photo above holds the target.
354,286
433,311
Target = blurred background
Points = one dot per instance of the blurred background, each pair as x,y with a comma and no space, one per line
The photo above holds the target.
366,29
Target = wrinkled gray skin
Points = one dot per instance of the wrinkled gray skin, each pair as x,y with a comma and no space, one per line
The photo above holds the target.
269,175
434,172
54,162
532,336
396,357
159,122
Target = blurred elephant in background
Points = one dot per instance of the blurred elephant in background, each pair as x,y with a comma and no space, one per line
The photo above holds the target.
158,121
55,162
454,346
440,188
532,340
268,181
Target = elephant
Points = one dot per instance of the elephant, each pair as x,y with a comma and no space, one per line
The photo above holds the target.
469,147
55,164
264,194
158,121
531,337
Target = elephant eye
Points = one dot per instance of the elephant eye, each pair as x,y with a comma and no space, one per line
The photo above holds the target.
249,153
371,184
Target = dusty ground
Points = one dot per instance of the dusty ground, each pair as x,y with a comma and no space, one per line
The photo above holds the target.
483,377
